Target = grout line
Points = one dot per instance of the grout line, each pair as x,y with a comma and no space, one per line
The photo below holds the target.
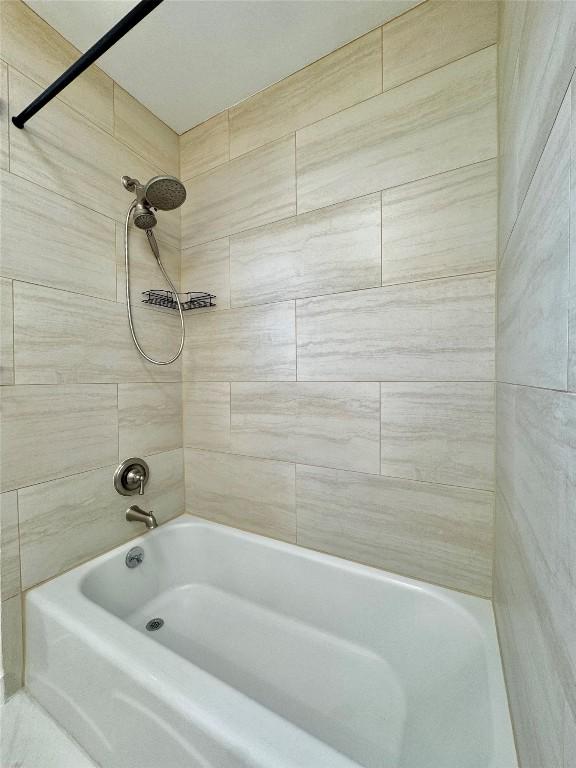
288,299
339,469
537,164
336,203
354,104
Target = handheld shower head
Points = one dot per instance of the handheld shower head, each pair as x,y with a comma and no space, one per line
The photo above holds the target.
144,217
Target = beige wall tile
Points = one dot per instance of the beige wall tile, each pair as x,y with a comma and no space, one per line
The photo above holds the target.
437,330
51,432
35,48
37,248
335,249
63,337
441,226
6,333
143,132
437,533
534,274
328,424
251,190
204,147
535,470
206,408
251,494
534,689
144,271
149,418
62,151
345,77
207,268
433,124
4,117
67,521
9,545
435,33
12,658
249,344
535,88
439,432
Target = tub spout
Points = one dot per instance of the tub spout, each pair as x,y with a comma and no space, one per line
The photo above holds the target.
135,514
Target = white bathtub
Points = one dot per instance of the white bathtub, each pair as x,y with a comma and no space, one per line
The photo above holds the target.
270,656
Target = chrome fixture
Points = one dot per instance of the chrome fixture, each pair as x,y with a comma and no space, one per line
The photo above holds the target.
162,193
131,477
154,624
134,557
138,515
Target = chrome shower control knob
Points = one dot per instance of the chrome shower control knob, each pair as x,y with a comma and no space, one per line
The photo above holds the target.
131,477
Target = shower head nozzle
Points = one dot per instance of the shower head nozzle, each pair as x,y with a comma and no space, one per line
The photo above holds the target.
144,217
162,192
165,192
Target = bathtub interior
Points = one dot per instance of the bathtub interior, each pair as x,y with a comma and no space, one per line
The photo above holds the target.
378,668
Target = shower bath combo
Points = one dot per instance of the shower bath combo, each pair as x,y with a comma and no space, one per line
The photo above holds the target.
163,193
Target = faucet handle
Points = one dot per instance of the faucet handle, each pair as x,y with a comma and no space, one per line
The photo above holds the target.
131,477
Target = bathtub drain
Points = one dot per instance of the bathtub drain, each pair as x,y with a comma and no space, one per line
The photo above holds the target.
154,624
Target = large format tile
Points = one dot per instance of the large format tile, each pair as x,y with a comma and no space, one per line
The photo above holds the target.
252,494
149,418
534,90
248,344
328,424
67,521
335,249
441,226
435,33
50,432
532,345
4,117
206,414
436,123
12,658
64,152
9,545
537,439
436,330
207,268
251,190
432,532
66,337
534,688
6,332
204,147
143,132
439,432
37,248
345,77
37,50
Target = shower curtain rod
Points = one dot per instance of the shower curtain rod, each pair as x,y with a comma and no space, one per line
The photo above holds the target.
118,31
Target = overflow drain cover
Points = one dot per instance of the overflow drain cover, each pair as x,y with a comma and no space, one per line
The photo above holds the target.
154,624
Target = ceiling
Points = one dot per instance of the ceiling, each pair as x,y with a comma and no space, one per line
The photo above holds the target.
190,59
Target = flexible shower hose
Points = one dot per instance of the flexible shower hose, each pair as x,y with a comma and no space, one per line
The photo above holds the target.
129,304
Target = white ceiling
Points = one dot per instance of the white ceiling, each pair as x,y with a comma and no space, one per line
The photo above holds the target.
190,59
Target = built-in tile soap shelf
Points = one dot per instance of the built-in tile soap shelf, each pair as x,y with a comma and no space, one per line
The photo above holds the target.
189,300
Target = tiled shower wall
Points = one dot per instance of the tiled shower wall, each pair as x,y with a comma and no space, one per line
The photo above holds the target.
341,394
76,398
535,564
